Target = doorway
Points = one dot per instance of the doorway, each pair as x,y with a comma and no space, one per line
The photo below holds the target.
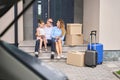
55,9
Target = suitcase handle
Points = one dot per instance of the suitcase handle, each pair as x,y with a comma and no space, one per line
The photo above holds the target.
91,34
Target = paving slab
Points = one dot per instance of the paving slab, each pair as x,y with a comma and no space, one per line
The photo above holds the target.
101,72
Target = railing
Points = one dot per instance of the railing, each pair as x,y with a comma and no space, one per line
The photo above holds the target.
18,65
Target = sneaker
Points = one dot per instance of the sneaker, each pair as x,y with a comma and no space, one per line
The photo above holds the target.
36,54
58,57
62,56
52,52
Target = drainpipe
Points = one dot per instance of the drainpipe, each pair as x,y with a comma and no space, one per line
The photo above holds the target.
16,25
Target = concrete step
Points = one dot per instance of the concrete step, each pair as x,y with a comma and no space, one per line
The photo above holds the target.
29,46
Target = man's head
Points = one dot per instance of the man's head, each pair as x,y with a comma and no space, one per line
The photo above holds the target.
49,22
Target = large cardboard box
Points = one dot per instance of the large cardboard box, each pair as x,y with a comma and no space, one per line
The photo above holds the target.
74,39
74,29
75,58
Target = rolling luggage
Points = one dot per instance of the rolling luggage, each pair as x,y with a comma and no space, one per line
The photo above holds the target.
98,47
91,55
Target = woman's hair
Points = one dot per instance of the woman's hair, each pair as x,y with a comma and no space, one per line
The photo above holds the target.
62,26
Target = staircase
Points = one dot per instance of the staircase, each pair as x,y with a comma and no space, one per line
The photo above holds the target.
28,46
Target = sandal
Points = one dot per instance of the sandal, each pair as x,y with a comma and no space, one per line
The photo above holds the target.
46,49
40,50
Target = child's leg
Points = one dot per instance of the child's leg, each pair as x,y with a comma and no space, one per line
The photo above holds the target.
41,40
45,43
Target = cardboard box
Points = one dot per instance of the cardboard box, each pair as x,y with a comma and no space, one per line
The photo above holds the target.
74,39
75,58
74,29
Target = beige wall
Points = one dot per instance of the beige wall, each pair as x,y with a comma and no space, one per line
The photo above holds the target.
20,23
90,17
104,16
5,21
110,24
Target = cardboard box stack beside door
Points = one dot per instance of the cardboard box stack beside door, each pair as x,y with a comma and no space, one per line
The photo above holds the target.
74,34
75,58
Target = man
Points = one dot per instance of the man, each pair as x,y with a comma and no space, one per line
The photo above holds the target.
48,29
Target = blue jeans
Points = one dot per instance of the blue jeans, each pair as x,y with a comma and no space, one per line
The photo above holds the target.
53,48
37,44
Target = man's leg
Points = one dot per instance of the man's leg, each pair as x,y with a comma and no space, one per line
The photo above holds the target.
53,48
37,44
48,42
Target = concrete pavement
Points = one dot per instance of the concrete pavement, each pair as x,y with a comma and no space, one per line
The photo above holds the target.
101,72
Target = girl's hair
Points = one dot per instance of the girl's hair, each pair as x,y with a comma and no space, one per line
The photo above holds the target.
62,26
41,21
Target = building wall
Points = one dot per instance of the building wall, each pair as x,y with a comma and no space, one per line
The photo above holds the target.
28,22
20,23
6,20
110,24
103,15
90,18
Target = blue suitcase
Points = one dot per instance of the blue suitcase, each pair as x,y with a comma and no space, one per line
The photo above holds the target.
99,48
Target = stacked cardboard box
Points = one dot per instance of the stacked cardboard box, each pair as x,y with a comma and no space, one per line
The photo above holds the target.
74,34
75,58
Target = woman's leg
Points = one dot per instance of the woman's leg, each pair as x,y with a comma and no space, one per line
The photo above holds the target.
57,48
60,46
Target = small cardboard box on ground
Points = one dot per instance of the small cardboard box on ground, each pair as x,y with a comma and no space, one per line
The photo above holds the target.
74,28
75,58
74,39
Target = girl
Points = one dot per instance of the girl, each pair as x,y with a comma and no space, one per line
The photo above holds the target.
42,35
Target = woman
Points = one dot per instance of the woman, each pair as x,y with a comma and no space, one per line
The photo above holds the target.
58,34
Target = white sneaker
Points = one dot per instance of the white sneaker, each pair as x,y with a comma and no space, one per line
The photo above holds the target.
52,52
36,53
58,57
62,56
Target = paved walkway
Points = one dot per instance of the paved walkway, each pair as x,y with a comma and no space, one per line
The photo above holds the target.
101,72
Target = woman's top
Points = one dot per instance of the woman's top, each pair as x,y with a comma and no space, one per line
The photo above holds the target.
56,32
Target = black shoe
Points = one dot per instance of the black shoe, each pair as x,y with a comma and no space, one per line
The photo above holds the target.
36,55
52,56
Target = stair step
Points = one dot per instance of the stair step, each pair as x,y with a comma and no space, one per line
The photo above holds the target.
65,48
29,46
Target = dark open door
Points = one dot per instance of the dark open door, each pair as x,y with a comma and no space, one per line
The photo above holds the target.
54,9
40,11
62,9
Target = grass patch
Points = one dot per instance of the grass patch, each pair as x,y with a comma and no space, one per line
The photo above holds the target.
118,72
